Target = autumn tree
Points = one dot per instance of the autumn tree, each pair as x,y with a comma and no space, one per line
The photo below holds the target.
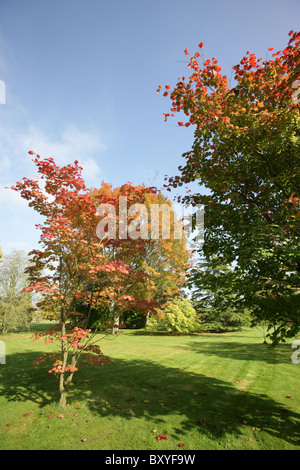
78,265
61,268
246,152
157,261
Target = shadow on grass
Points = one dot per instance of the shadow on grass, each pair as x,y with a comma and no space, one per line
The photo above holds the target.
217,345
20,380
242,352
144,389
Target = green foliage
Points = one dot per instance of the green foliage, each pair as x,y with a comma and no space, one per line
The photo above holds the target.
96,317
15,305
215,291
178,316
246,153
134,320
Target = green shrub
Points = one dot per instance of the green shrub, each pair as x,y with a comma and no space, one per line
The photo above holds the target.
179,316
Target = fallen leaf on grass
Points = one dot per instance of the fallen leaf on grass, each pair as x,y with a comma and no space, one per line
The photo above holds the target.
26,414
180,444
161,436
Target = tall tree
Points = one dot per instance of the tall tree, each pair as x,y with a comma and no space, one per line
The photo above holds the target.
61,269
76,265
246,152
156,260
216,295
15,305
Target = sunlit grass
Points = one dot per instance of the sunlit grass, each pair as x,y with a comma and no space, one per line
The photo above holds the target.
208,391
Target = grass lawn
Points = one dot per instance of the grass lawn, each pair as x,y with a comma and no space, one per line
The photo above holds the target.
206,391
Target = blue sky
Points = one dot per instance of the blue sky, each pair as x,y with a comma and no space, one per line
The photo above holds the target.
81,79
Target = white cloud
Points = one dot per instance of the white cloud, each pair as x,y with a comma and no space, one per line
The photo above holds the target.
10,198
73,145
17,220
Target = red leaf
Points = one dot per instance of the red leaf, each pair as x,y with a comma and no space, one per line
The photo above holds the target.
161,436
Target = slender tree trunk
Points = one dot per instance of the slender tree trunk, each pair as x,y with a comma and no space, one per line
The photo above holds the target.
64,353
64,388
63,398
116,322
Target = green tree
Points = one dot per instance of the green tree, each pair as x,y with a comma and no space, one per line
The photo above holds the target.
246,152
15,305
179,316
216,295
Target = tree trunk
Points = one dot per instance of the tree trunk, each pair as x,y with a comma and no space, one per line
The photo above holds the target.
116,322
63,398
62,387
